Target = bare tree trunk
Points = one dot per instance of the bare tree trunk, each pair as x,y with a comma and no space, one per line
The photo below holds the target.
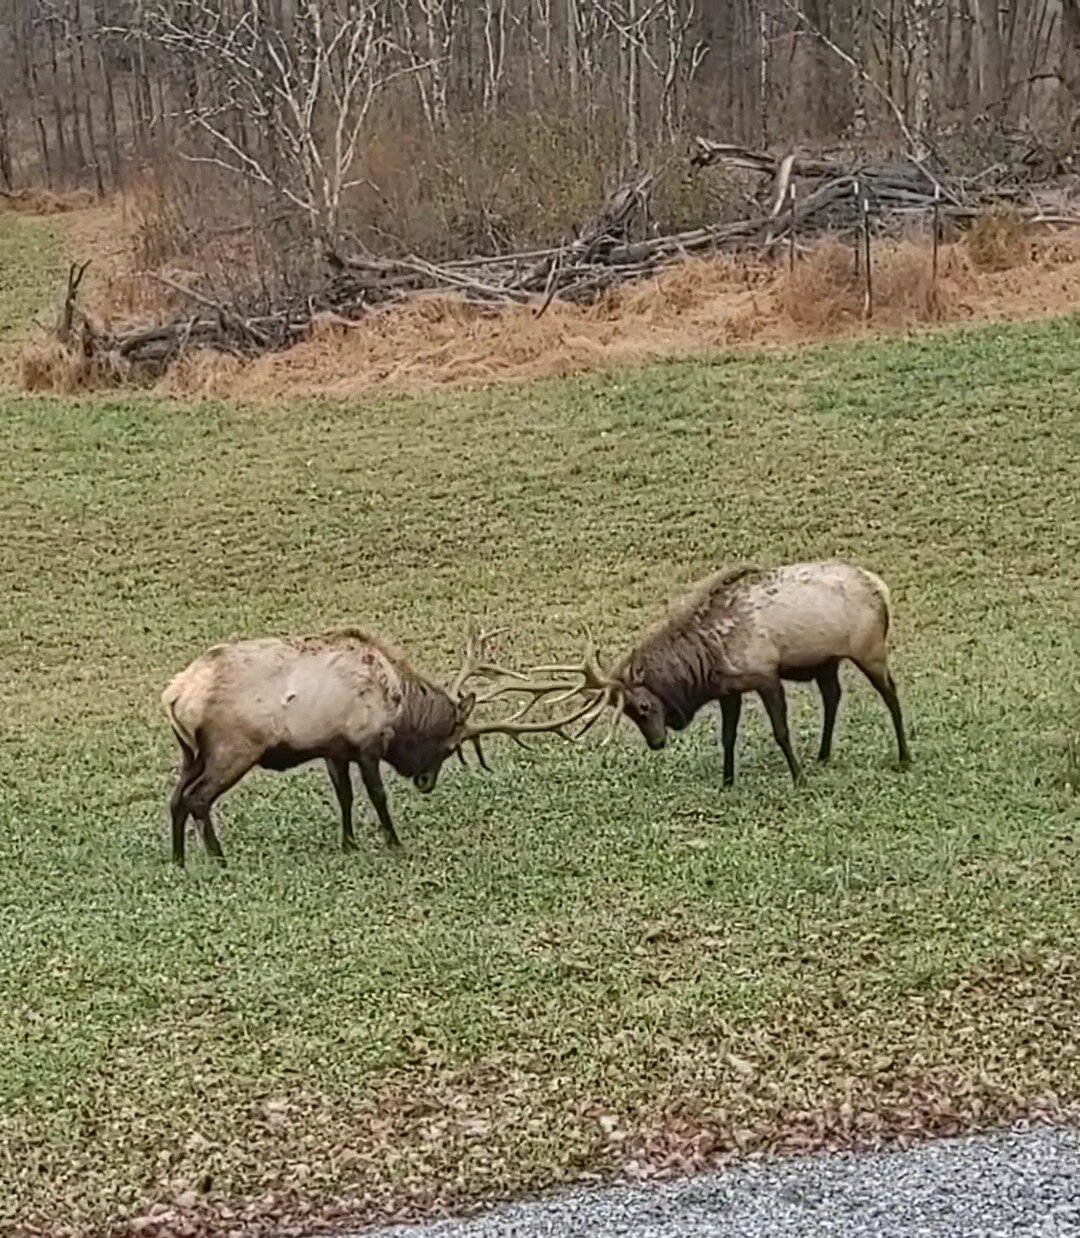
764,62
963,43
991,70
439,31
530,60
494,51
816,81
6,175
572,53
633,86
1037,35
862,36
33,90
1069,57
58,108
921,75
87,89
112,134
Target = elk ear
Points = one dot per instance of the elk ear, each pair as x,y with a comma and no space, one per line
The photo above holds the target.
465,706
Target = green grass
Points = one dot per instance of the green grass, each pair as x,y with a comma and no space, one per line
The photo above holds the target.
29,256
584,931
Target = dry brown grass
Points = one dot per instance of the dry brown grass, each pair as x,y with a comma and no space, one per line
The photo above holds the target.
826,292
459,1135
47,365
999,239
437,342
36,201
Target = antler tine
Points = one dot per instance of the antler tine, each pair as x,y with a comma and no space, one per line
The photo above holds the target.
476,664
521,683
591,680
617,703
515,724
589,672
592,673
612,697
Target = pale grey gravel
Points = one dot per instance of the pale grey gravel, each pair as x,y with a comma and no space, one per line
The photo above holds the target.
1023,1181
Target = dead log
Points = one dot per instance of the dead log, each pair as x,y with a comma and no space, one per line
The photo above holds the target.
611,248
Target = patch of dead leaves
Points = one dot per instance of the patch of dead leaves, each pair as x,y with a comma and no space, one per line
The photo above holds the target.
994,1047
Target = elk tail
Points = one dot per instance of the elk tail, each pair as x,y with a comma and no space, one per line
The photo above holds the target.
884,598
187,740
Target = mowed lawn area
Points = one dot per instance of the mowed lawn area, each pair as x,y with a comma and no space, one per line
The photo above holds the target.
592,960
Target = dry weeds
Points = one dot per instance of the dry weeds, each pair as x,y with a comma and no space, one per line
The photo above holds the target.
704,305
36,201
999,239
47,365
438,343
826,293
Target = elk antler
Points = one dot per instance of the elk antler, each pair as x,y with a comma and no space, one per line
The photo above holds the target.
516,725
593,678
476,663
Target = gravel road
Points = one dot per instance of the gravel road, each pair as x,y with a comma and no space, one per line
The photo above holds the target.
1023,1181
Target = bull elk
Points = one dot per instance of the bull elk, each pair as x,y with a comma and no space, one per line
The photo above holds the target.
342,696
746,629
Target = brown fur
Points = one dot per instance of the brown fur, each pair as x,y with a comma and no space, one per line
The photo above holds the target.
342,695
747,628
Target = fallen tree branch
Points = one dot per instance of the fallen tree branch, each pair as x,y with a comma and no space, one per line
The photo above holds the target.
612,248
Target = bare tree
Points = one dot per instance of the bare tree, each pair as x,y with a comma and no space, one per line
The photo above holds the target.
494,51
678,63
991,81
438,18
288,105
283,92
920,14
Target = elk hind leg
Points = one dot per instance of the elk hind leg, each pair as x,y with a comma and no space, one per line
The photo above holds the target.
221,770
877,671
828,681
178,811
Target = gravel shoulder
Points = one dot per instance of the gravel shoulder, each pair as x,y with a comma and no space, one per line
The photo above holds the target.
1022,1181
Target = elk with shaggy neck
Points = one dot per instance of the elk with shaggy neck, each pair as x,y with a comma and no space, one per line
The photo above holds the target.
747,629
342,696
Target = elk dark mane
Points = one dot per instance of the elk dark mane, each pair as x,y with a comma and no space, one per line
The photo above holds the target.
677,658
698,603
675,667
425,707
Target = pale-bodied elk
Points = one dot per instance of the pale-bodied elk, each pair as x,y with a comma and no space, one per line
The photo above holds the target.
747,629
342,696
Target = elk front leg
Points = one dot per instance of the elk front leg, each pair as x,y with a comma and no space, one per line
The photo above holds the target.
339,776
373,784
775,703
730,709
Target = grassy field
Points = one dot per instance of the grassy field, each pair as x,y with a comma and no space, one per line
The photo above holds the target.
592,959
29,270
